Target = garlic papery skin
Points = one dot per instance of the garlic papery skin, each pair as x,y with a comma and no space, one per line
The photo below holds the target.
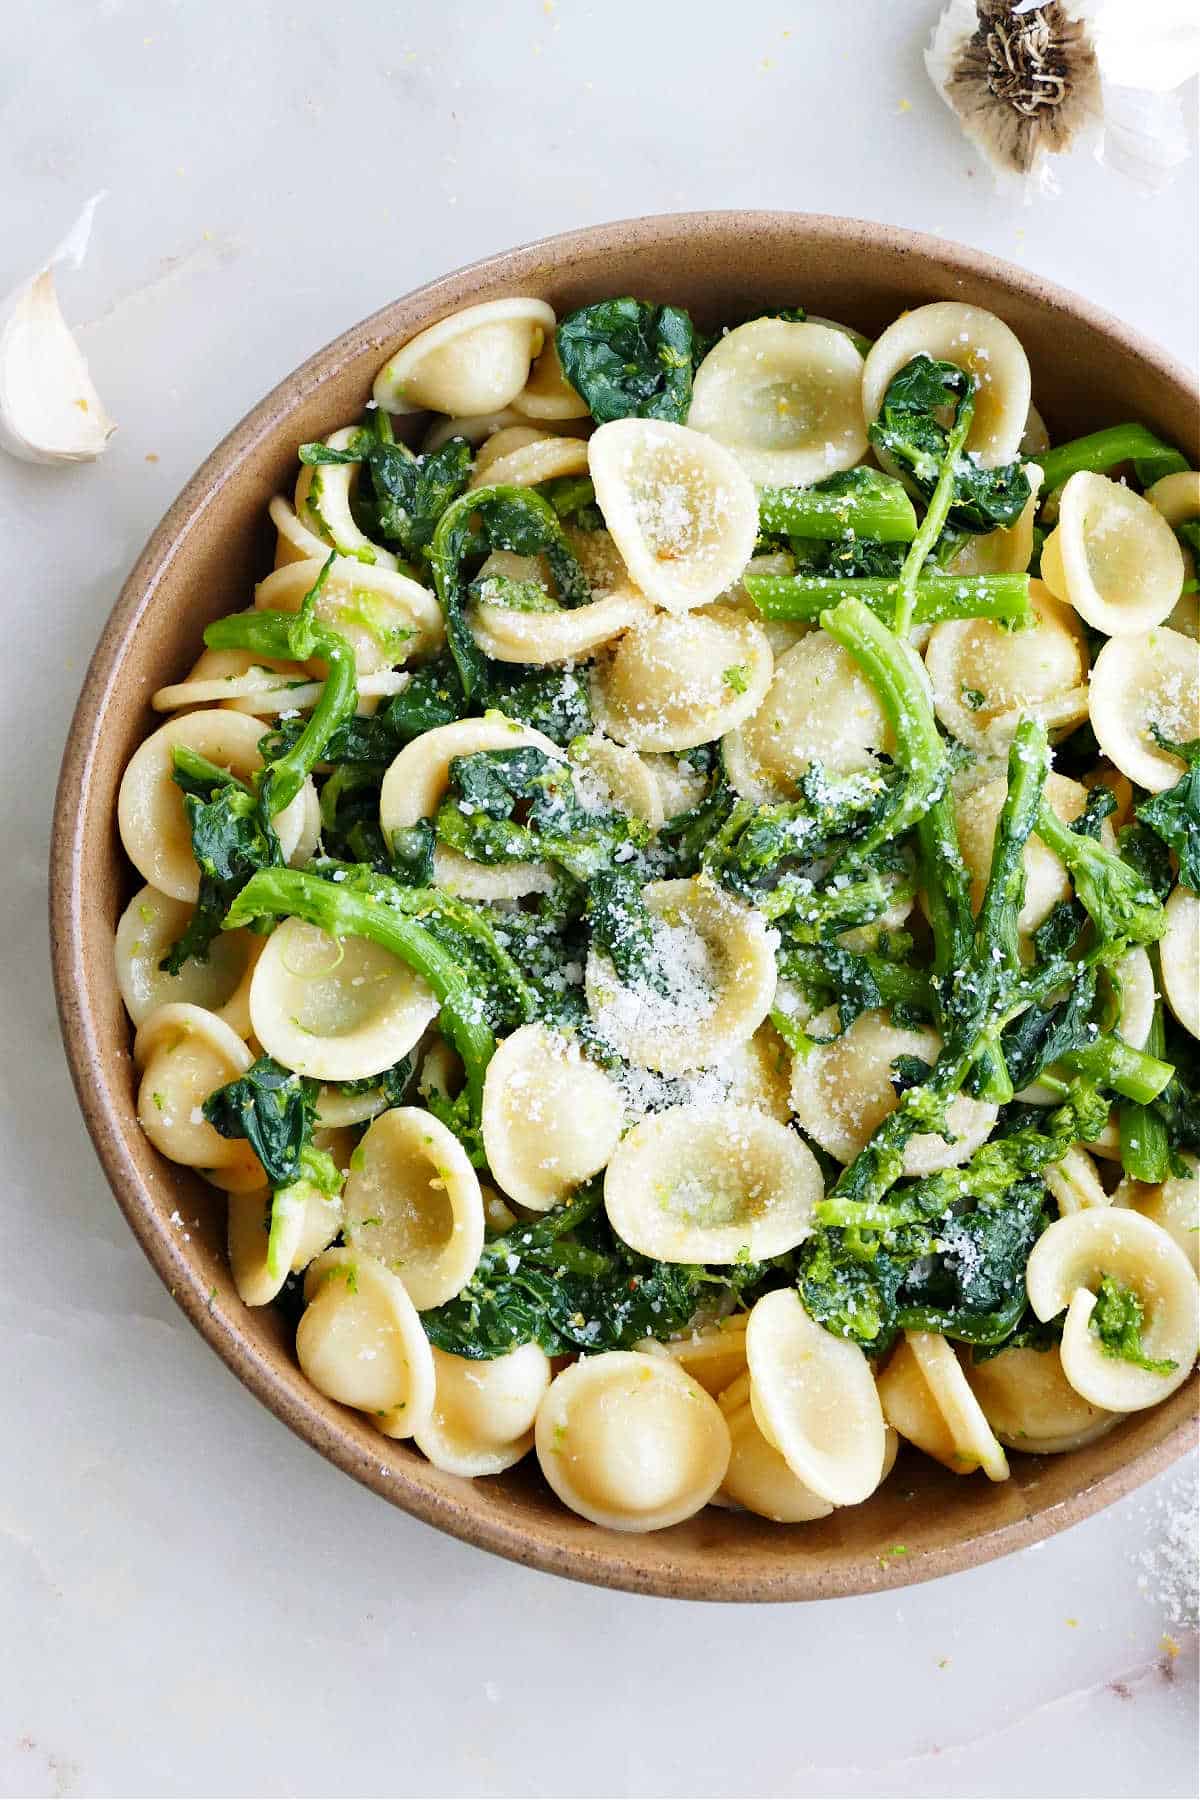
1029,82
50,411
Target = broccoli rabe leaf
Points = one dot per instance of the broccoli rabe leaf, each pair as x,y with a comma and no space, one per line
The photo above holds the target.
1174,814
1117,1320
274,1110
909,430
622,925
566,1281
395,1083
629,359
555,702
231,838
1123,908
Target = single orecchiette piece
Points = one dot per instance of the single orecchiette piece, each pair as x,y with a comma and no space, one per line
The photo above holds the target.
385,617
483,1412
699,1184
781,634
360,1342
671,683
339,1010
294,541
926,1396
1112,556
1030,1404
1074,1182
548,395
842,1091
523,456
1131,980
814,1400
1072,1257
229,677
630,1441
1177,498
183,1054
1046,881
714,1355
758,1478
718,966
412,1200
324,492
1035,439
416,783
681,509
985,679
150,811
610,775
559,634
270,1239
974,340
785,398
819,707
551,1119
476,361
150,924
1141,683
1173,1204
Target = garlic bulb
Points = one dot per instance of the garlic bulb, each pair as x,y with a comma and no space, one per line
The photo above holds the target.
1031,81
50,411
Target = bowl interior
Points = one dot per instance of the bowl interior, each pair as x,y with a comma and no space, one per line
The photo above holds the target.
1087,371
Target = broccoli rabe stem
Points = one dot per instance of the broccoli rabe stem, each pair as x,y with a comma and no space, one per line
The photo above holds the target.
1136,1075
884,513
1103,450
291,893
898,677
896,983
1145,1145
935,597
1121,905
936,514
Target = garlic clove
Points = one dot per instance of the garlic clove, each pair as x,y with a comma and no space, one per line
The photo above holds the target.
50,411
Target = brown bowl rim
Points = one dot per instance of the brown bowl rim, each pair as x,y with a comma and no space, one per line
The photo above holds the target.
607,1560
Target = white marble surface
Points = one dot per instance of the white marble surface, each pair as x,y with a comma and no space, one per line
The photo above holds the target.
193,1602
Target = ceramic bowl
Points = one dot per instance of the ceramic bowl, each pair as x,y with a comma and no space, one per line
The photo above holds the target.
1088,370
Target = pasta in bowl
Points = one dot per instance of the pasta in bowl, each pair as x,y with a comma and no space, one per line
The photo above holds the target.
566,1151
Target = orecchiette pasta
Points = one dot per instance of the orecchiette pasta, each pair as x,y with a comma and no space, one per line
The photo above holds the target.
1073,1256
819,707
360,1342
1075,1183
417,780
1173,1204
523,456
1177,498
559,634
339,1010
386,617
718,970
412,1201
631,1441
1112,556
323,506
714,1355
672,683
183,1053
146,930
985,679
483,1412
150,812
1141,684
976,341
608,774
1030,1404
294,542
476,361
551,1119
758,1478
681,509
926,1396
548,395
842,1090
814,1400
476,428
709,1185
1179,955
268,1239
785,398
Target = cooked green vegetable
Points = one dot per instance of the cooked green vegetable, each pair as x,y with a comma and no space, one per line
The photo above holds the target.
1117,1320
409,493
860,502
935,597
629,359
1174,814
1107,449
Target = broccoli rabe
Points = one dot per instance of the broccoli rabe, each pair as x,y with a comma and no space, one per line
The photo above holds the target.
1174,814
629,359
1117,1320
407,494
